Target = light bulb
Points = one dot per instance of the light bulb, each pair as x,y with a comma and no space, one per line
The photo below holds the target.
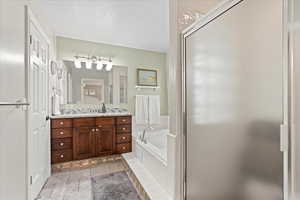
88,64
109,65
77,63
99,65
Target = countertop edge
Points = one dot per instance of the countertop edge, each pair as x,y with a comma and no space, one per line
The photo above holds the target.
87,116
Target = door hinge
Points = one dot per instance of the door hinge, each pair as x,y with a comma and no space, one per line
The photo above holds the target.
30,39
284,138
30,180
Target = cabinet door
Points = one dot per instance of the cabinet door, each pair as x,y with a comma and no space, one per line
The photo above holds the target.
105,140
84,142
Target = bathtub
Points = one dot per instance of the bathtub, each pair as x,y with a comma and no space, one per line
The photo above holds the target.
156,144
156,140
155,157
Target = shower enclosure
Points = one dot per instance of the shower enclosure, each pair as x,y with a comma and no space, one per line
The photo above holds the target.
235,103
294,49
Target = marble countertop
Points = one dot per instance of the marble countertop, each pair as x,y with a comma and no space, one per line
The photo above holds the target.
81,115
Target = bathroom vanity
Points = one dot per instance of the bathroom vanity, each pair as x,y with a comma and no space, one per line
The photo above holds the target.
81,137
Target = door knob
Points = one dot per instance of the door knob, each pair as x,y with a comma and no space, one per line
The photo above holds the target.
47,117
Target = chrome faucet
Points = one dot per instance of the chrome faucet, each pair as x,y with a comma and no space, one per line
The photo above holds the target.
143,135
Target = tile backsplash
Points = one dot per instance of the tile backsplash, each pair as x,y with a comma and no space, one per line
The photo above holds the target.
89,108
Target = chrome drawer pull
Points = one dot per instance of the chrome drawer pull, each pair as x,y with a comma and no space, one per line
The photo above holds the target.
62,156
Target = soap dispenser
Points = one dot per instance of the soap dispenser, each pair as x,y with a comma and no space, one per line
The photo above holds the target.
103,108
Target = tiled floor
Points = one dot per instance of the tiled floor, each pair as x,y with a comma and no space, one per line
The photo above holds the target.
75,184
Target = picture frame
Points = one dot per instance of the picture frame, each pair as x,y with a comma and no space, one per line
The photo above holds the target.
147,77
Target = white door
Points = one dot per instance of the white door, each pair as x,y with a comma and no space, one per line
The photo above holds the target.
39,132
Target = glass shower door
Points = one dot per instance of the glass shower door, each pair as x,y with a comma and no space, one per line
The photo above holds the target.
295,58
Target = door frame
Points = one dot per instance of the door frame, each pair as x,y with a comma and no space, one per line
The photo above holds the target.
30,18
222,8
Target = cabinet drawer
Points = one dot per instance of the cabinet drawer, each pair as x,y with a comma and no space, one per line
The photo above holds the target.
61,156
105,121
84,122
124,148
123,138
61,133
59,144
61,123
124,129
124,120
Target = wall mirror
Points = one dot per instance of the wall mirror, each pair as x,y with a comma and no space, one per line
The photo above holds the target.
93,86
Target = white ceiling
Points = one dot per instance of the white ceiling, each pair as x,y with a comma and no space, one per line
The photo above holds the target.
141,24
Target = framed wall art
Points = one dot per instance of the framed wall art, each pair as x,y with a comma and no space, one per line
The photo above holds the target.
147,77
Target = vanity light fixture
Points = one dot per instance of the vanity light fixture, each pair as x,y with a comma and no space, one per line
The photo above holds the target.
93,60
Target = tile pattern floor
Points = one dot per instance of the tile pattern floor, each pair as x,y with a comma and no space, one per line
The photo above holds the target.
75,184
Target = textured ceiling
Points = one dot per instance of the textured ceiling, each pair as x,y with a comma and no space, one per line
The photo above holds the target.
139,24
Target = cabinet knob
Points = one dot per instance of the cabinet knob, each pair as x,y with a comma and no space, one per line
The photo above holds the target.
61,123
93,130
97,129
61,144
123,138
124,129
61,155
99,126
124,120
61,133
124,148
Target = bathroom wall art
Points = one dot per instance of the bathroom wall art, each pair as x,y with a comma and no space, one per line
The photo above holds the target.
146,77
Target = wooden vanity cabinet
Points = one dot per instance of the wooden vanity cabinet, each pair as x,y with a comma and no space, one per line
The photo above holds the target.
84,142
105,140
123,141
89,137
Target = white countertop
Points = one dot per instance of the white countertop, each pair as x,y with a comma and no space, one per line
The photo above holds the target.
81,115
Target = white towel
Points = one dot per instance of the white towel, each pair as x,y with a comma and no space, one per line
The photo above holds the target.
141,109
154,109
